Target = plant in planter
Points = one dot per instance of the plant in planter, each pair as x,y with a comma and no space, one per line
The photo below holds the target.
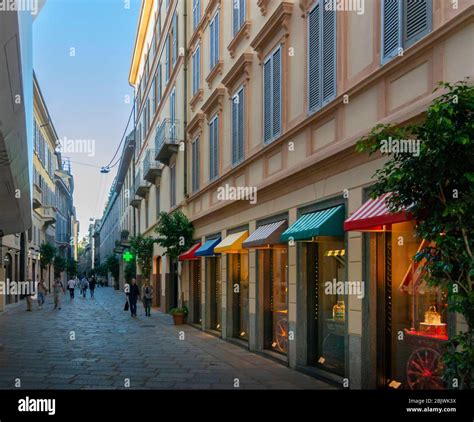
179,315
142,247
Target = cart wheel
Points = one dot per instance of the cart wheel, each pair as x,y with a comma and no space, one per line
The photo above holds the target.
282,335
424,370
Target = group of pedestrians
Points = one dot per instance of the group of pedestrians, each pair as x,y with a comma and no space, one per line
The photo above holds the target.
132,292
83,284
41,291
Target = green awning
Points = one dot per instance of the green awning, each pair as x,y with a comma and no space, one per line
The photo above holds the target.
328,222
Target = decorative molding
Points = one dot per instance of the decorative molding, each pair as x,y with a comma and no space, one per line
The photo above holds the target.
244,31
196,37
240,70
214,102
304,6
216,70
280,20
263,5
196,98
209,12
196,124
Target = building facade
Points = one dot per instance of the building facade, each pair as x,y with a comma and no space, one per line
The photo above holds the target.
253,109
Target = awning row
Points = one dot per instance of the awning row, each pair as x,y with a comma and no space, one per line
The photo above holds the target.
373,215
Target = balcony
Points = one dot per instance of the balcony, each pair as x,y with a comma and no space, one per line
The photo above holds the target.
135,202
151,167
37,197
48,214
167,141
141,186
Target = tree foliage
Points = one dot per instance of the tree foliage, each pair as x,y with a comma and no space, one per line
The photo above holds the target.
60,264
113,266
142,248
175,233
437,187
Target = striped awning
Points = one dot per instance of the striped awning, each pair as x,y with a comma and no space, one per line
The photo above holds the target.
266,235
190,253
374,215
328,222
232,243
208,248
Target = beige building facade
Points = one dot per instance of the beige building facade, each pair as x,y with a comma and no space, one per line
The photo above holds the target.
271,97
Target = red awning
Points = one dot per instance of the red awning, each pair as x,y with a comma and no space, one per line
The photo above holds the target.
373,215
190,253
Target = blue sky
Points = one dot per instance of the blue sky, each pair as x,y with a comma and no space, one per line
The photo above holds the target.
86,93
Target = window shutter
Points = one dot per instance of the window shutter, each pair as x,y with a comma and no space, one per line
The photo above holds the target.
314,62
267,101
216,147
167,58
242,13
329,56
212,35
175,38
235,16
235,129
391,28
417,20
216,39
240,153
276,97
198,68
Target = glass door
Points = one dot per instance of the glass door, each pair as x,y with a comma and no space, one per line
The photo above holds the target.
239,285
273,270
196,277
215,292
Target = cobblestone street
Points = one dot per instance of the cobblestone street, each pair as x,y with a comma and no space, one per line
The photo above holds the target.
110,347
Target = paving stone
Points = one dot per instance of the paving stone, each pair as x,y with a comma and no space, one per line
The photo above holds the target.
110,346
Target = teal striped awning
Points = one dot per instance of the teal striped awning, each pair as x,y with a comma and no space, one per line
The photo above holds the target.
328,222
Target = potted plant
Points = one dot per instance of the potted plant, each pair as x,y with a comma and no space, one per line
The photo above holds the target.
179,315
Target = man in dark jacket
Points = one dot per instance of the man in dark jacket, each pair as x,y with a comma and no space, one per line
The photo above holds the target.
92,284
133,297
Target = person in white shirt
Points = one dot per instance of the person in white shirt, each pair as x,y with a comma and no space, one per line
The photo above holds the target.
71,285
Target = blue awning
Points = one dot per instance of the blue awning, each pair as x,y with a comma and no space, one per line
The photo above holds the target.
328,222
208,248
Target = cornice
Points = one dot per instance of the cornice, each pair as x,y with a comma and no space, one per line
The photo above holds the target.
196,124
216,70
215,101
240,69
244,32
263,6
196,98
277,22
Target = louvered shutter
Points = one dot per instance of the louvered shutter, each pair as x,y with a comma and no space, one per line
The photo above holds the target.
216,39
198,68
235,16
240,106
212,44
167,58
216,147
267,101
329,56
175,38
235,129
417,20
242,13
391,28
276,97
314,60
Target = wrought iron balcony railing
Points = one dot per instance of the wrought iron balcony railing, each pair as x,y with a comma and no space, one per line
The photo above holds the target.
151,167
167,140
141,185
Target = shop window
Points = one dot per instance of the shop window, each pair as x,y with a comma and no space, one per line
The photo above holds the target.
239,286
273,275
326,263
196,277
415,320
215,292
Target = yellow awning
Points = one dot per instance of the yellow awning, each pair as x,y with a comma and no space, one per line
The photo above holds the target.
232,243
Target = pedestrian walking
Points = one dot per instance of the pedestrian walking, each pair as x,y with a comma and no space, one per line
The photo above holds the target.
41,294
29,296
57,289
147,296
71,285
133,297
84,286
92,284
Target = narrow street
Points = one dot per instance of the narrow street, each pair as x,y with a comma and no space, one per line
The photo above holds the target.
110,347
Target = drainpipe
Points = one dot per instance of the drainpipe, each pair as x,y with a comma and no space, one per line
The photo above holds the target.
185,108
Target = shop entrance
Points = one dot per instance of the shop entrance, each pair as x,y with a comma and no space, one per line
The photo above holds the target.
196,290
411,316
215,287
325,263
273,271
157,282
239,286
